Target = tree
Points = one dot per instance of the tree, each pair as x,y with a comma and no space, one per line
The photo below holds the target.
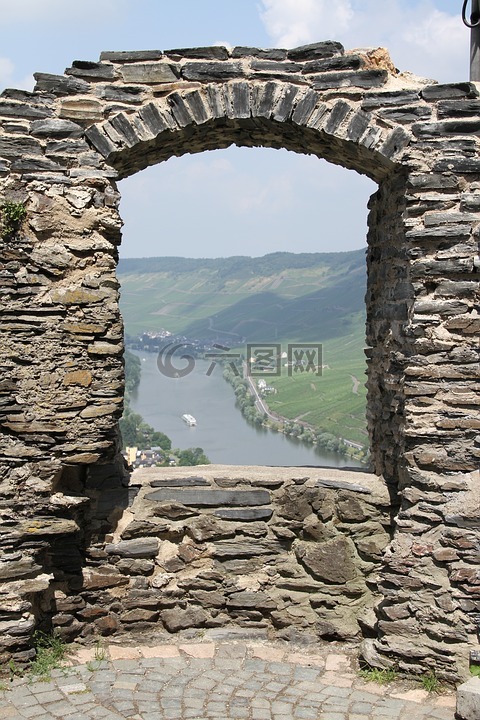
192,456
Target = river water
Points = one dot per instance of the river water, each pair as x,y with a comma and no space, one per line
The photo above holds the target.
221,430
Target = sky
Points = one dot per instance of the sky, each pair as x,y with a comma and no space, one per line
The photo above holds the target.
238,201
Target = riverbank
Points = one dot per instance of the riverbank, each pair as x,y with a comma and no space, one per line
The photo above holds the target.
221,429
256,410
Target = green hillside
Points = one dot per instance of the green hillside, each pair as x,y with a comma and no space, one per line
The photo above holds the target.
281,298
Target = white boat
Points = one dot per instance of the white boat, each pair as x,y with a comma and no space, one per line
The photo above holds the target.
189,419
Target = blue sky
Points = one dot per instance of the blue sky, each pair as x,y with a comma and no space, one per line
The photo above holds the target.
235,201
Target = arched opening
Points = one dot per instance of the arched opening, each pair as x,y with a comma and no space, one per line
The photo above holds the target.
210,121
133,110
249,202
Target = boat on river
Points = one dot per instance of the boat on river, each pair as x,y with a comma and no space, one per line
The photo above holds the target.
189,419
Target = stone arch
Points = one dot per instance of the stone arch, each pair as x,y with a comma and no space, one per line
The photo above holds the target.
62,149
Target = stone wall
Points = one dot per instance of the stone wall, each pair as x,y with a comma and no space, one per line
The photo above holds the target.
62,149
295,551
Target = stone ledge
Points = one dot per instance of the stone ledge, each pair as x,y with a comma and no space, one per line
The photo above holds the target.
468,700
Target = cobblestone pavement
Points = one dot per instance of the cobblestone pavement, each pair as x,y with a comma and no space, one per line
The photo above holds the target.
217,680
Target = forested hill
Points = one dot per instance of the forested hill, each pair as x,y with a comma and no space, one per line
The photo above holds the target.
280,296
238,266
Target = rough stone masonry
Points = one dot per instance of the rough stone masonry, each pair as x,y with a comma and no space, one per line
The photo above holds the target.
62,150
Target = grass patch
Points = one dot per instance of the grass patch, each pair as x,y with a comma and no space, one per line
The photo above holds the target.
51,652
12,215
430,682
99,656
475,669
381,676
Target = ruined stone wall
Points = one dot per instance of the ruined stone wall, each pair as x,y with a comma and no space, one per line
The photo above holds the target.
62,149
293,551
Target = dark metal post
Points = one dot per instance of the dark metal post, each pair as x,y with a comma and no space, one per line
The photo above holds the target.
475,42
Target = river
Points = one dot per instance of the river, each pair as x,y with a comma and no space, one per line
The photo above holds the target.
221,430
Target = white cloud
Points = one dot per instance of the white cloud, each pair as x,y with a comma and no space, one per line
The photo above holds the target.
421,38
9,79
296,22
436,42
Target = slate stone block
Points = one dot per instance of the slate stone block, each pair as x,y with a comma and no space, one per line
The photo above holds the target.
177,619
408,114
357,125
251,601
274,54
433,181
211,498
96,71
201,53
155,120
394,98
60,85
132,56
331,561
458,108
283,108
275,67
264,100
215,99
316,50
339,62
21,110
317,118
180,482
212,71
440,231
396,141
446,127
15,147
137,548
305,107
362,79
24,165
337,115
149,73
194,100
449,91
125,129
180,110
342,485
100,141
244,514
457,164
122,94
240,98
56,128
235,549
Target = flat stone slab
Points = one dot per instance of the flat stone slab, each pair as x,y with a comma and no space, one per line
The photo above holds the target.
180,482
211,498
245,515
341,485
468,700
